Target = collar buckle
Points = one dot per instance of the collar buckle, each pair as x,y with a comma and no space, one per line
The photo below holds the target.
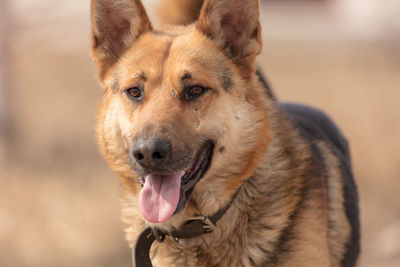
194,226
159,236
208,224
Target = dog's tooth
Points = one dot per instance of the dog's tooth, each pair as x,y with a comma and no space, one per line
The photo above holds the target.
141,180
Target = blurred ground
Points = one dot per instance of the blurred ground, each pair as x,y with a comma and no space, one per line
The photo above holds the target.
58,199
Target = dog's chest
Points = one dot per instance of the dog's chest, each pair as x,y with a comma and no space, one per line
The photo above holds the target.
169,254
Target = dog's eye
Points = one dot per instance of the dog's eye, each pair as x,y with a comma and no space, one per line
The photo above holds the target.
192,92
196,90
135,93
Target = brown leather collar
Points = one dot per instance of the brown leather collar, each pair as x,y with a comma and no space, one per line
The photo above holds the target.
193,227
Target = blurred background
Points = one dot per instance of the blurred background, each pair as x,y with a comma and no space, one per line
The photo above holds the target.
59,203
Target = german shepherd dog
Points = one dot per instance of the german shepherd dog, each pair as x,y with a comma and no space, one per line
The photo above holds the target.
213,167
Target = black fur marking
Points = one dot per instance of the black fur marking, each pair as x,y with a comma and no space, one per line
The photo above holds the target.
226,79
263,80
186,76
142,75
252,261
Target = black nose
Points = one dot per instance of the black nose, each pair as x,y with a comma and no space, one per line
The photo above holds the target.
150,151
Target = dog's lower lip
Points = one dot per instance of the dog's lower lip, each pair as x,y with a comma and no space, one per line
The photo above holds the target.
195,172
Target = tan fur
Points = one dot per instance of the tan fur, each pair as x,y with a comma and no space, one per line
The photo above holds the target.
257,150
311,241
339,224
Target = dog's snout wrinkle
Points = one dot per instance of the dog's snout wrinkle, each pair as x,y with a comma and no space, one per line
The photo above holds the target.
150,151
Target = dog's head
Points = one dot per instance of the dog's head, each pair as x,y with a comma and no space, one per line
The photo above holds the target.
183,117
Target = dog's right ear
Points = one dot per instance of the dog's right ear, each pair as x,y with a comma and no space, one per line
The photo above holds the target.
116,24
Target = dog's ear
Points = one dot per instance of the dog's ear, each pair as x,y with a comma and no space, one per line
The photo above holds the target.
116,24
235,27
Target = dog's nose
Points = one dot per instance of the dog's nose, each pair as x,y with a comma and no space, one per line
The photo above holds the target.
150,151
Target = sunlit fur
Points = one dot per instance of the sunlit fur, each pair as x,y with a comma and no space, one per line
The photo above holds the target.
280,216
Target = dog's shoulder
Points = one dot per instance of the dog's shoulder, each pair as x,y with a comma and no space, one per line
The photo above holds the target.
314,125
328,142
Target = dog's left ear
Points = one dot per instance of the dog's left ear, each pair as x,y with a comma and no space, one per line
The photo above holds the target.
116,24
234,25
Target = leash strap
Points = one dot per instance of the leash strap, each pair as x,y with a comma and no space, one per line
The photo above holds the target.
193,227
140,257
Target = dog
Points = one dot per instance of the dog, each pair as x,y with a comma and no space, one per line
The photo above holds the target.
213,167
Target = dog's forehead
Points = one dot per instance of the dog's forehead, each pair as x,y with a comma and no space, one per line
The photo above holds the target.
161,53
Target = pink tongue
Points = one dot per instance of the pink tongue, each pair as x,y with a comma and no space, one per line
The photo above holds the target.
159,196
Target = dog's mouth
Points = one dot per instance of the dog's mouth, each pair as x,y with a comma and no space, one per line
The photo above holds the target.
164,195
